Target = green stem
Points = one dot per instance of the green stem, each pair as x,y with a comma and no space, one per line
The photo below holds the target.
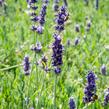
55,81
41,87
11,67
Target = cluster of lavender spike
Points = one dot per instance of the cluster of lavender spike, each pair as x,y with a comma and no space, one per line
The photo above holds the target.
90,89
37,18
57,47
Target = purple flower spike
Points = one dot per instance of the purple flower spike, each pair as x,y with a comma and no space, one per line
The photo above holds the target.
61,19
57,49
90,89
72,103
26,65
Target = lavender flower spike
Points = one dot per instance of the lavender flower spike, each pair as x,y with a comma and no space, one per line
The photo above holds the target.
26,65
57,49
90,89
72,103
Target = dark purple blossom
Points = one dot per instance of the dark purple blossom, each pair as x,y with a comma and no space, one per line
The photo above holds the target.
90,89
61,19
26,65
57,49
72,103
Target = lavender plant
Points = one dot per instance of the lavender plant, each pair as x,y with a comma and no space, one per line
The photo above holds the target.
57,47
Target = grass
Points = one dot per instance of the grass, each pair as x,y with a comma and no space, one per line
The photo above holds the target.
18,91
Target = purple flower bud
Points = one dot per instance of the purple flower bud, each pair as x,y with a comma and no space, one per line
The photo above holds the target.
33,28
57,70
56,5
26,65
76,41
34,7
89,23
68,42
77,28
35,19
72,103
103,69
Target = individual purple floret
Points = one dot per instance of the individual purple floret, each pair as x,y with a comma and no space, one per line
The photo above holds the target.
57,70
26,65
90,89
61,19
72,103
103,69
39,29
37,47
57,49
56,5
106,97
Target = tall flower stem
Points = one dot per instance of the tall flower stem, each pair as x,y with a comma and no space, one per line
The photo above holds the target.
41,88
55,83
